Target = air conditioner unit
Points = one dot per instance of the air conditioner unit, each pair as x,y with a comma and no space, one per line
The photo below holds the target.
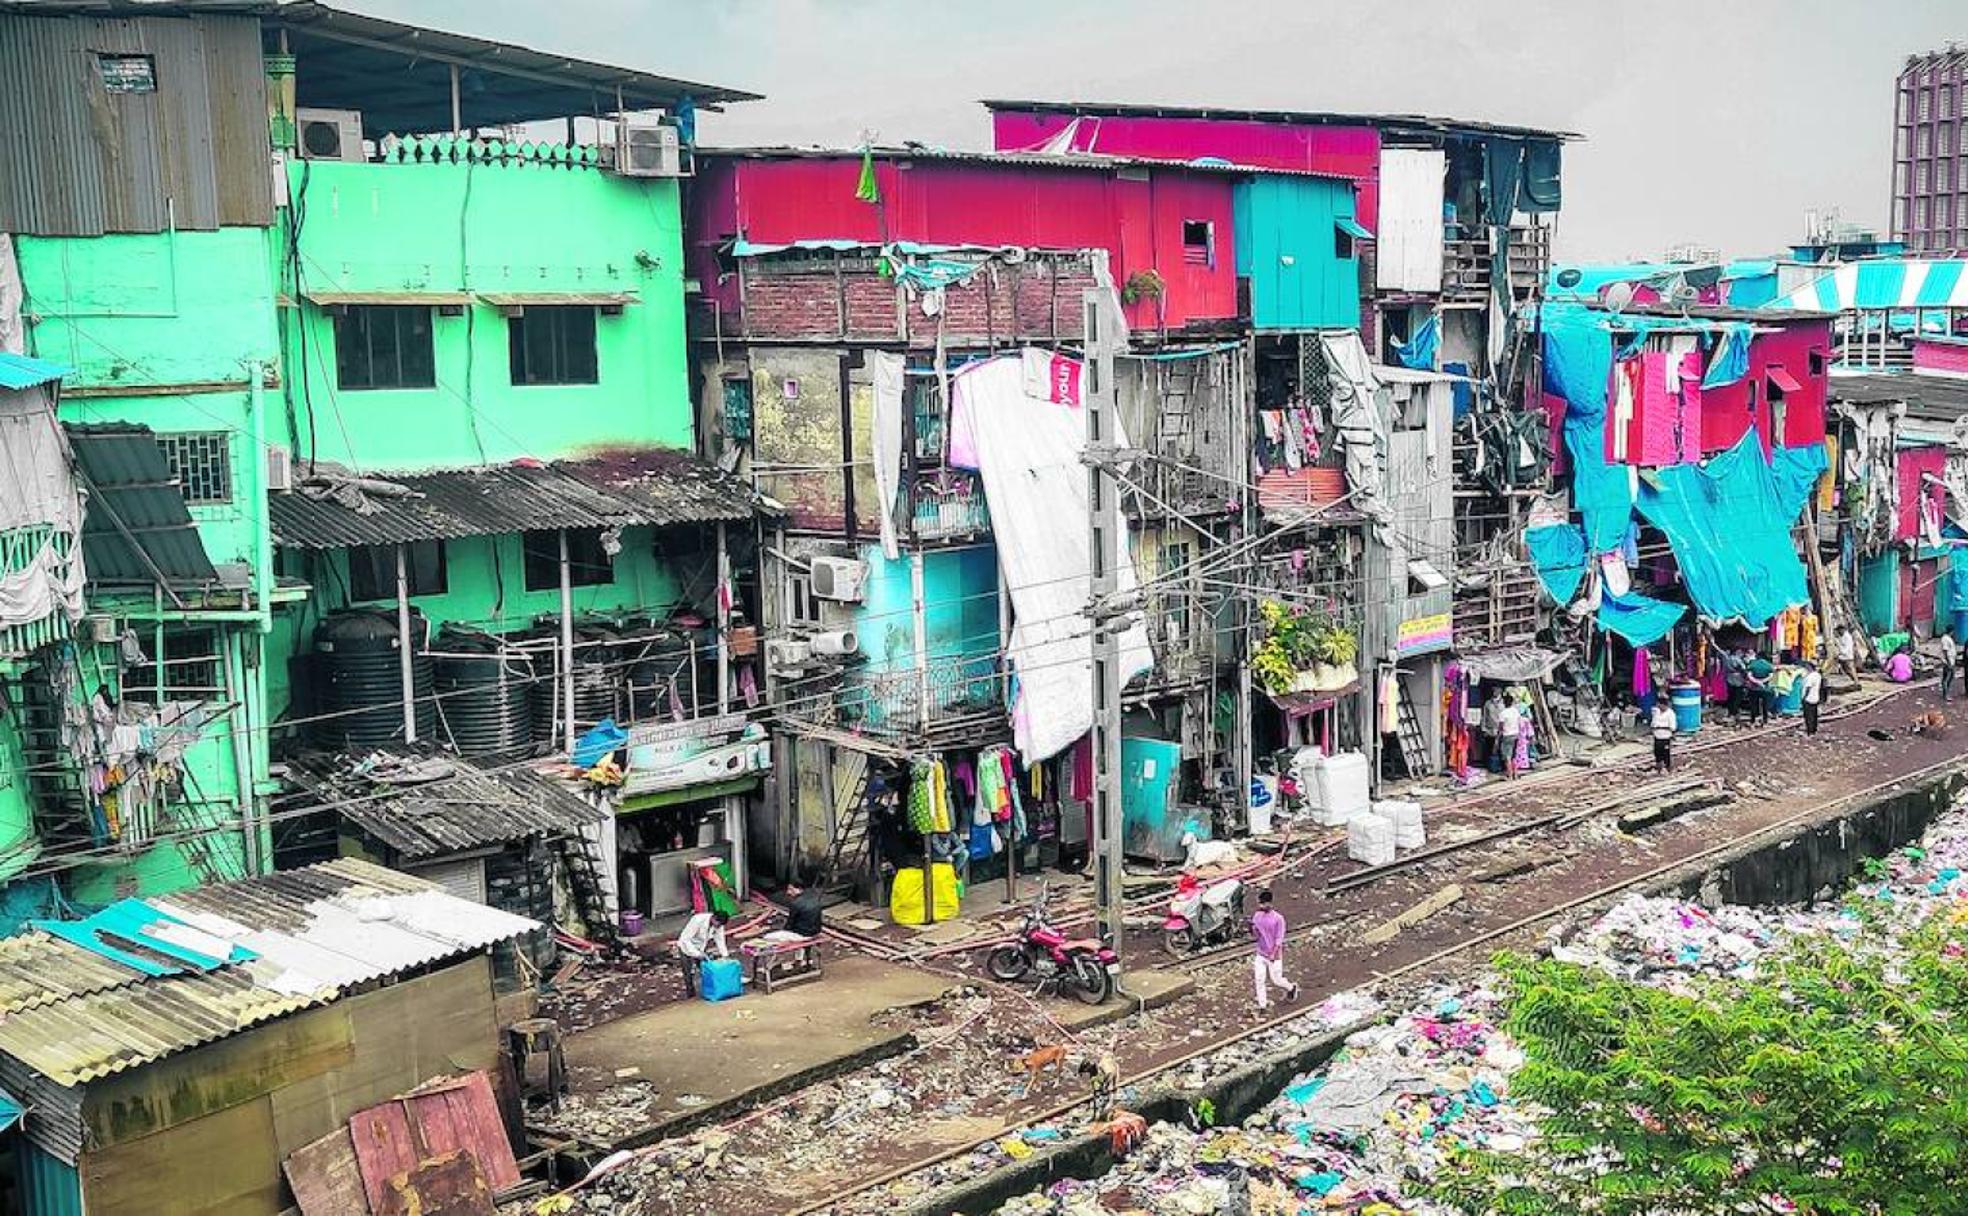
835,643
650,150
839,578
279,469
329,134
787,654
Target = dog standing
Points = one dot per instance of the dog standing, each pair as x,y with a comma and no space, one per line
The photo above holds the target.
1037,1062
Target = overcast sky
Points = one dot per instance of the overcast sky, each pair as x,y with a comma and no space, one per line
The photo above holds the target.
1719,122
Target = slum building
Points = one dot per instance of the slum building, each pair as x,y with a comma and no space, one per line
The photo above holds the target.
1901,471
382,412
1450,229
214,1049
1882,304
845,300
137,232
1693,459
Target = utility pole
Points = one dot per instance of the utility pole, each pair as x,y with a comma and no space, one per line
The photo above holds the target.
1098,397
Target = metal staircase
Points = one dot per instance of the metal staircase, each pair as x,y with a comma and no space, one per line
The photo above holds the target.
580,855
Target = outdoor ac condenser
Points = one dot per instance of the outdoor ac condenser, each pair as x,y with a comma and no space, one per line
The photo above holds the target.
787,654
650,150
839,578
329,134
836,643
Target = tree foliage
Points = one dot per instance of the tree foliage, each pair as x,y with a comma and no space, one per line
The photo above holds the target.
1836,1080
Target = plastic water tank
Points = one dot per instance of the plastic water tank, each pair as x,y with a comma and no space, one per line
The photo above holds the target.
359,680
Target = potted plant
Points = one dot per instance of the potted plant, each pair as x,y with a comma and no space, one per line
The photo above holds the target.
1303,651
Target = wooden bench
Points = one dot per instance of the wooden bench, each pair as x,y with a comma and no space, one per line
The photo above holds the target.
801,955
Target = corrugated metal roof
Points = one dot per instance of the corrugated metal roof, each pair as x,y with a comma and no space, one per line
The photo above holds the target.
21,371
131,483
1407,124
313,932
1030,160
652,487
1928,397
467,808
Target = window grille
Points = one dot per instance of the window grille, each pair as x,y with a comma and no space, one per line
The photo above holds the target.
201,462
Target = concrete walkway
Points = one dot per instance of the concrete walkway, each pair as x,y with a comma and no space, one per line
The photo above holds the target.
705,1060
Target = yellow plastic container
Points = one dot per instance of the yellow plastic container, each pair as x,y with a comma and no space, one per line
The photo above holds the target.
905,896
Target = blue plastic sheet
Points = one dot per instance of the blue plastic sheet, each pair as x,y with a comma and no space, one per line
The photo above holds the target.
1558,552
1730,362
1640,619
1578,366
1958,579
1418,352
1729,524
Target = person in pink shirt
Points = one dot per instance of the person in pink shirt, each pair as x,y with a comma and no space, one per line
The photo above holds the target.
1268,963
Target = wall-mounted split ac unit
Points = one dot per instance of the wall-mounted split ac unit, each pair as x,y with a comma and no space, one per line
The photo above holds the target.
328,134
839,578
650,150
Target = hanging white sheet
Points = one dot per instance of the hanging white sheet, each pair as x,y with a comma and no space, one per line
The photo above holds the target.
1027,450
1408,250
886,442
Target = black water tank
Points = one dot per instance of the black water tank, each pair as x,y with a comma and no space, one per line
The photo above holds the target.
359,680
485,690
598,681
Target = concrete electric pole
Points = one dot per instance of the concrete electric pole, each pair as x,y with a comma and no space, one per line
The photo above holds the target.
1098,395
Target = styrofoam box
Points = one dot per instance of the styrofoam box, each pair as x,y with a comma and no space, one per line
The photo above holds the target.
1343,791
1370,839
1406,818
1305,764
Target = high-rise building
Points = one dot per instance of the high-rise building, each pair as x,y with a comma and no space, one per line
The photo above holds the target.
1930,153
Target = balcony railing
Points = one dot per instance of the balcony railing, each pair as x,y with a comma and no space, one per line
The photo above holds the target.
954,693
458,150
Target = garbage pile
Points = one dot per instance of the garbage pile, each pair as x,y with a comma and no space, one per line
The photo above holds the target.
1352,1137
1361,1134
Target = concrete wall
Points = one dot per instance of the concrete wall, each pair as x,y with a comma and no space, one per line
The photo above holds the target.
487,227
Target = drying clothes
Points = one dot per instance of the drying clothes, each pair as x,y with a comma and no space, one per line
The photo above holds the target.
1080,786
1643,674
1807,634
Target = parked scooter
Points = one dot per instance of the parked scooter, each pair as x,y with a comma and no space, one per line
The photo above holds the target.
1081,965
1203,916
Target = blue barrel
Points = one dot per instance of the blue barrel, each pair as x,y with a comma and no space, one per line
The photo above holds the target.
1686,697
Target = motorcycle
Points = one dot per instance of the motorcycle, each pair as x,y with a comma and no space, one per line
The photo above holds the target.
1200,917
1081,965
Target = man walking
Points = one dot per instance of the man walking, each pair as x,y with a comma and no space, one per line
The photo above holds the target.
1663,726
1845,650
1814,696
1268,964
1950,658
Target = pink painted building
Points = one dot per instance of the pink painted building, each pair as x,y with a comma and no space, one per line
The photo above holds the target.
1940,356
1170,226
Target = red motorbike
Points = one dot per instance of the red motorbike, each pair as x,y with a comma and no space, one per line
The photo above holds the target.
1080,964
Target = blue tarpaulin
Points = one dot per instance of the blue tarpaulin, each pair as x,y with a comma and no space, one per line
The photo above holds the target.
10,1110
1957,579
1729,523
1730,362
1578,366
1640,619
1418,351
1558,552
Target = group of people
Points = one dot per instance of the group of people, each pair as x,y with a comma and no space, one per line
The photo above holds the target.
1755,683
1509,733
703,935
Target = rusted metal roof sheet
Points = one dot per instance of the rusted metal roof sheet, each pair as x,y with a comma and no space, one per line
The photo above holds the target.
83,160
312,932
462,808
131,484
654,488
1398,124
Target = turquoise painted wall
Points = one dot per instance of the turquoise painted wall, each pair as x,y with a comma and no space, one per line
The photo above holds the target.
181,312
160,329
960,606
1285,246
489,227
1879,591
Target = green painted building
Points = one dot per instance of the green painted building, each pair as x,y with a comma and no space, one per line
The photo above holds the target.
320,304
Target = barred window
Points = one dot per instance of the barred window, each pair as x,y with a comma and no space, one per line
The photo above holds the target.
188,670
201,462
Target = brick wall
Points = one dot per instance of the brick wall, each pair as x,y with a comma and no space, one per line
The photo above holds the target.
1035,301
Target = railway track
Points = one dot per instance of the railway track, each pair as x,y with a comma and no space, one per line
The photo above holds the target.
1773,829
